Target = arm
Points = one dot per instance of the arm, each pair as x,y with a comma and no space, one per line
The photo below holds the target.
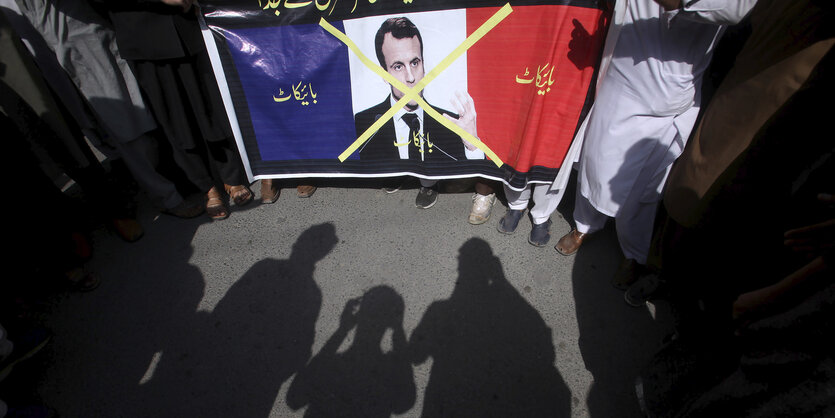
814,241
769,300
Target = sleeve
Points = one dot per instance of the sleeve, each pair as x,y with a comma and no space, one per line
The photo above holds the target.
475,154
719,12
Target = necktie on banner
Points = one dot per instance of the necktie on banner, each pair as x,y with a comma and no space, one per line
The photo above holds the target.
414,138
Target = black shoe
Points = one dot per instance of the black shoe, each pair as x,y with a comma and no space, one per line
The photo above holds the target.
540,234
510,220
427,197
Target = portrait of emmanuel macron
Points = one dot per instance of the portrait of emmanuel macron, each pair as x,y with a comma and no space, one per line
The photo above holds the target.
412,134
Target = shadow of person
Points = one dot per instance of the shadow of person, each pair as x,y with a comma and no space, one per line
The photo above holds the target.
233,363
584,47
367,379
617,340
492,354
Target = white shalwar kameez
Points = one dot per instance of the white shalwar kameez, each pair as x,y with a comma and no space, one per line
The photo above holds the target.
646,105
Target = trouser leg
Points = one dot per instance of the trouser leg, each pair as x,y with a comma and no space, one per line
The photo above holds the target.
518,200
140,156
634,228
194,164
227,161
587,218
545,202
427,183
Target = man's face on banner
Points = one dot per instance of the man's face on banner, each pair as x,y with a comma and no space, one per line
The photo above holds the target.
404,62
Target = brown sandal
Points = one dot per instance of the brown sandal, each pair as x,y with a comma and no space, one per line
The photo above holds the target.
239,194
215,207
305,190
269,191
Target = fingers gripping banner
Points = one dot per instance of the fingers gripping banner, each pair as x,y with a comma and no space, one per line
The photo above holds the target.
434,89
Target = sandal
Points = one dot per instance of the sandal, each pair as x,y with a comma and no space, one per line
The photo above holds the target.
80,281
215,207
269,191
240,194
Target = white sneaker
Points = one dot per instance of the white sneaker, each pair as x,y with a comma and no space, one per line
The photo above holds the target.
482,206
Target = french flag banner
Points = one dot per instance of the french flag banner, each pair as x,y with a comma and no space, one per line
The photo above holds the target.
429,88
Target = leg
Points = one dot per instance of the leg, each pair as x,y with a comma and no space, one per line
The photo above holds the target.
587,219
545,203
226,160
269,191
634,228
485,187
196,169
428,194
517,202
140,156
483,200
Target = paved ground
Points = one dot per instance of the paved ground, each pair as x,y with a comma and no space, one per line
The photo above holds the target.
247,317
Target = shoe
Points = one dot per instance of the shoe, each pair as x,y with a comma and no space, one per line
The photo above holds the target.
305,190
394,188
643,290
239,194
427,197
26,345
482,206
80,281
570,242
215,207
127,229
628,272
510,220
540,234
185,210
269,191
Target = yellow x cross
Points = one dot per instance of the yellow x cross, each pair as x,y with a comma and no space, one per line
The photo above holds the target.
410,94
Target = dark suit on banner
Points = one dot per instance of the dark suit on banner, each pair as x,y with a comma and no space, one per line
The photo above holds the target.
380,146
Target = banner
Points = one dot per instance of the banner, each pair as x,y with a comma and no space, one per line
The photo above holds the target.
434,89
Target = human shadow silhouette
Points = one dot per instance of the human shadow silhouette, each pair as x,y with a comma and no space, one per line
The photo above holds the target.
616,340
365,380
492,353
584,48
234,361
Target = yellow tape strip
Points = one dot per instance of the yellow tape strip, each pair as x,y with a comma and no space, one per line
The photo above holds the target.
414,93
